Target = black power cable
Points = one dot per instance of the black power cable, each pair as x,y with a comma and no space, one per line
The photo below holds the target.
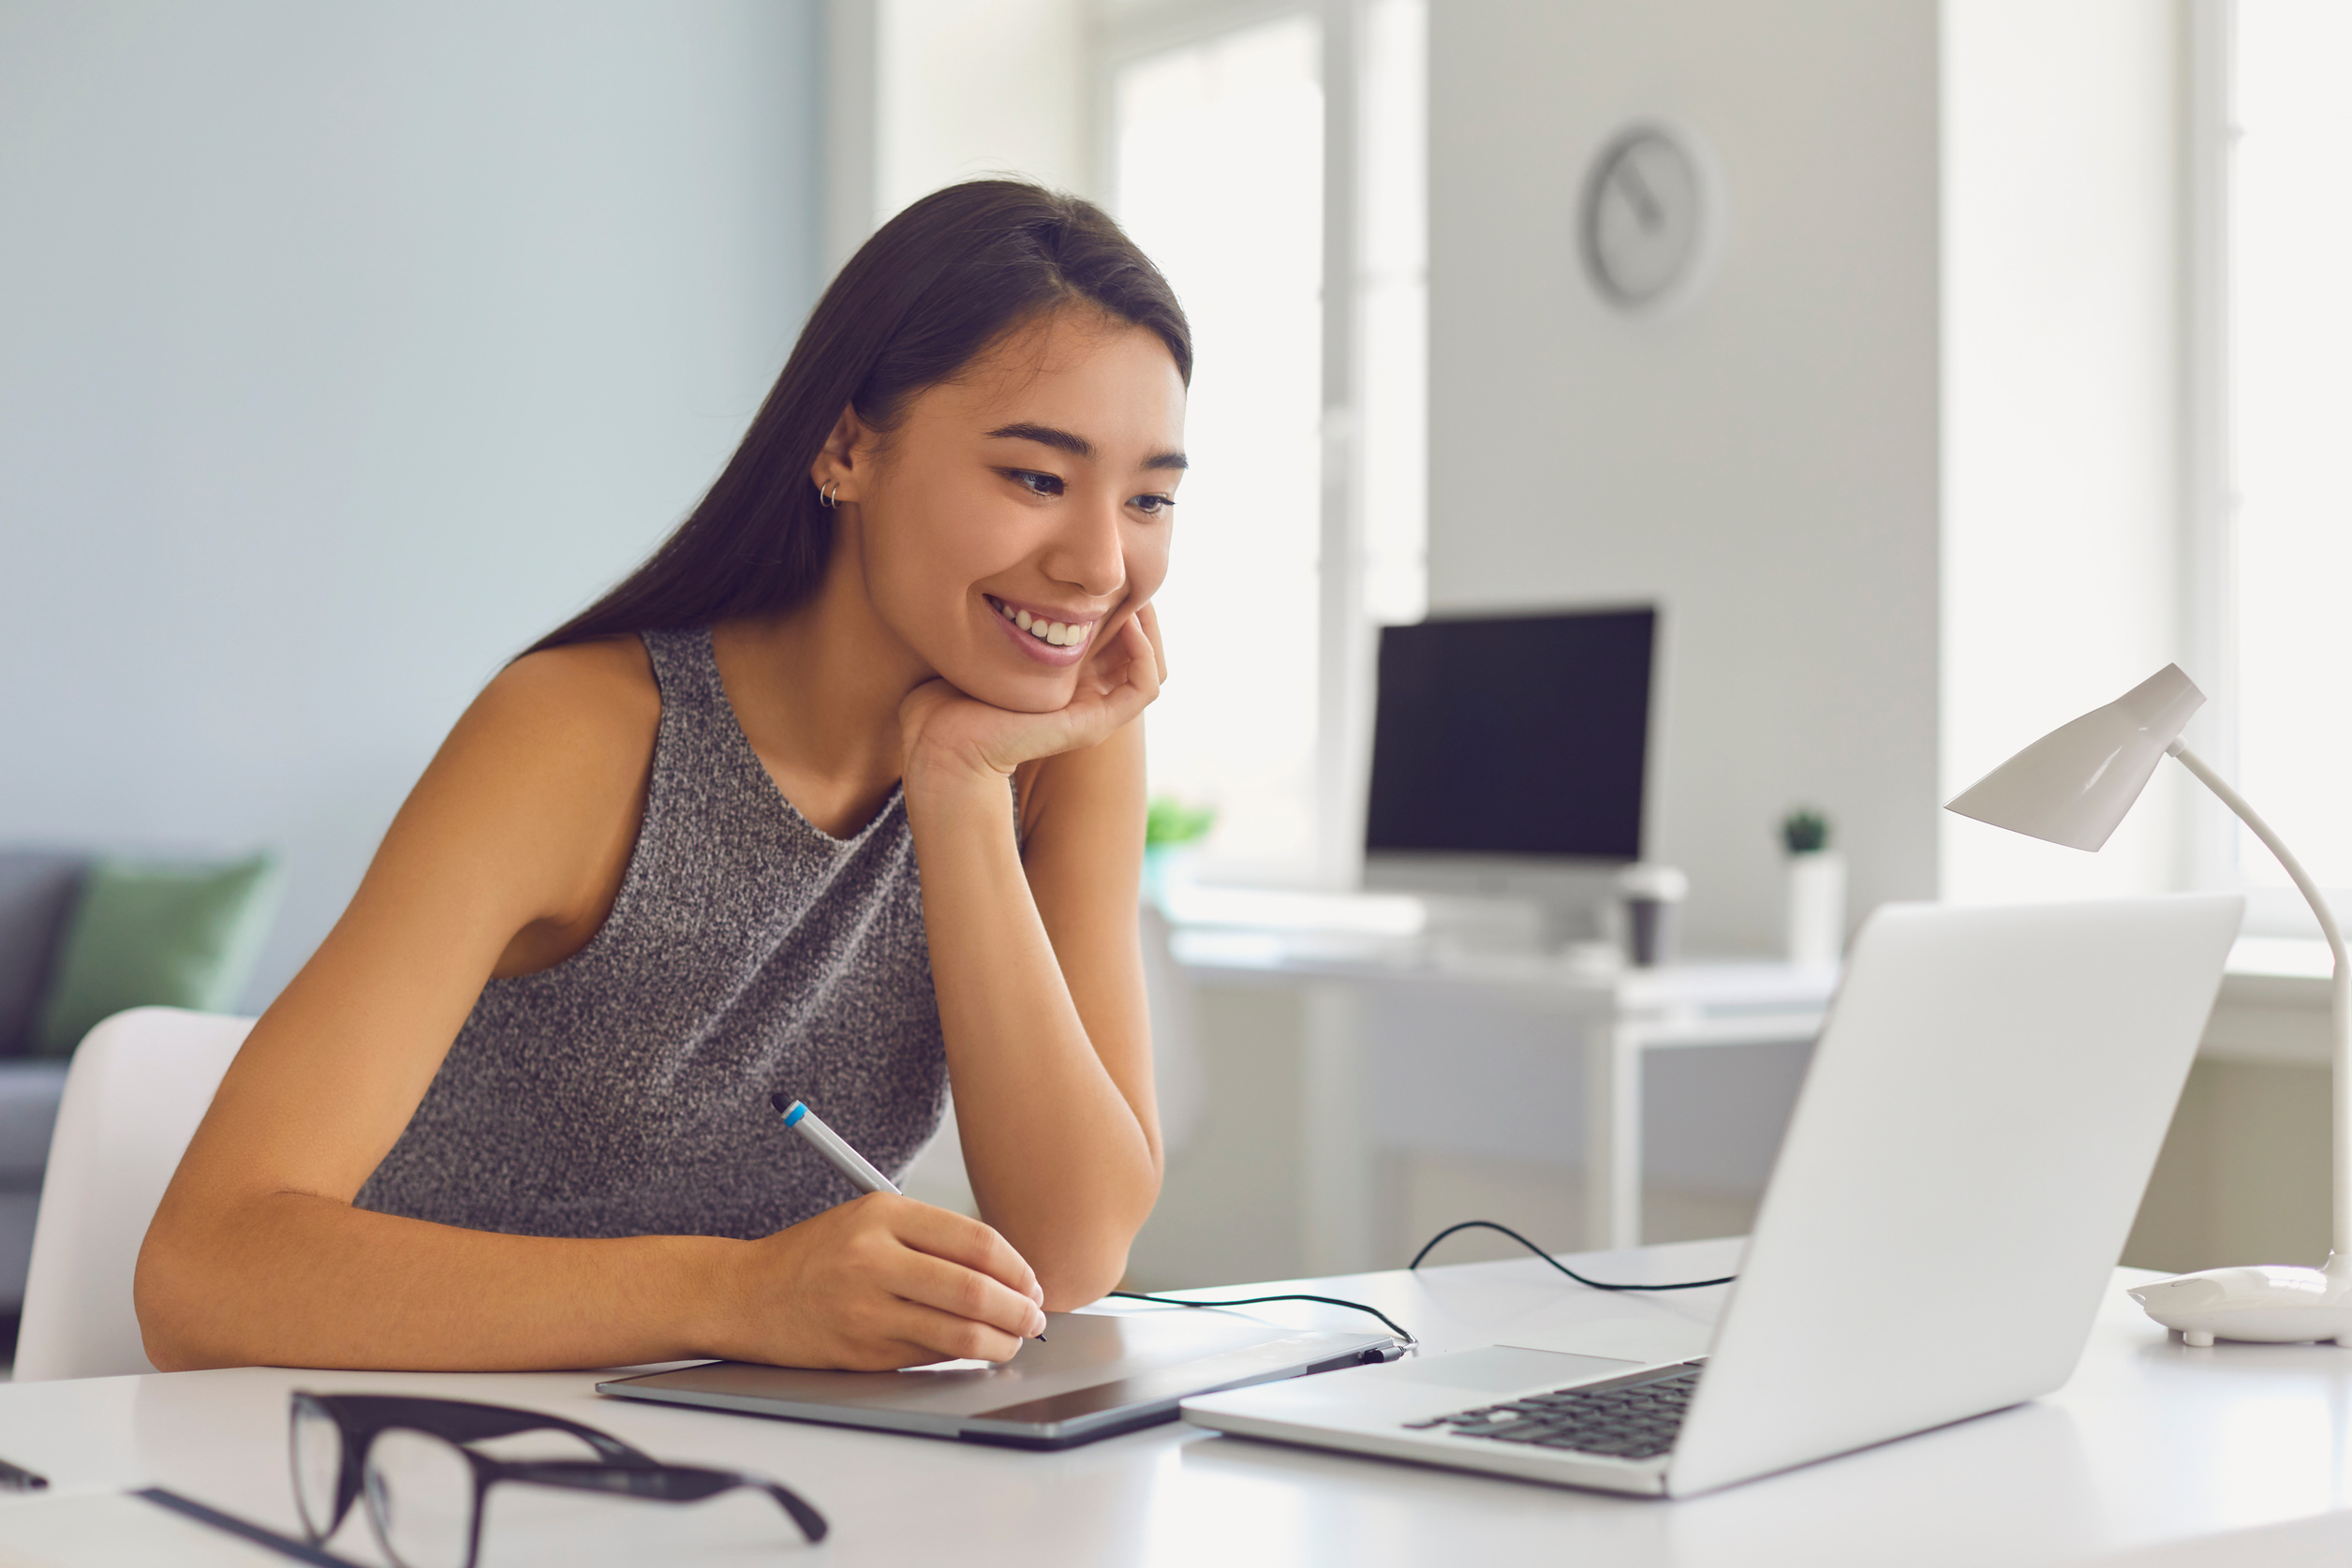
1596,1284
1401,1331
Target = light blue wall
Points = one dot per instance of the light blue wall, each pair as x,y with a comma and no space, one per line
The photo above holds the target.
343,350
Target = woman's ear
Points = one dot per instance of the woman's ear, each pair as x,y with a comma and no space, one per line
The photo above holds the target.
836,465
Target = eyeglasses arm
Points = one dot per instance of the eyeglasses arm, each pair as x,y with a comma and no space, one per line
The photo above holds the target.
661,1482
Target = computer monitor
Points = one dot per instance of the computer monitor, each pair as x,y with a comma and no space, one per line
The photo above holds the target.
1509,753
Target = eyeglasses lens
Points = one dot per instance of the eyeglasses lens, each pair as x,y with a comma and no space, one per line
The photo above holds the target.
421,1499
318,1467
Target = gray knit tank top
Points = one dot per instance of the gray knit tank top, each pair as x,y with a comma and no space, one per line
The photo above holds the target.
625,1090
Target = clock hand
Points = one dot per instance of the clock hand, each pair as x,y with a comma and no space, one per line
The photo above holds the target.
1646,204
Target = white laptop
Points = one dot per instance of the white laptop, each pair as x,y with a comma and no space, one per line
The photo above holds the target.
1981,1117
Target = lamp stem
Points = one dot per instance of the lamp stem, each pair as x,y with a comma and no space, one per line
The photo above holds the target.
2340,1011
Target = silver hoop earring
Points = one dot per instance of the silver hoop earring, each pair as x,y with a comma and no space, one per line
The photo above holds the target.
825,495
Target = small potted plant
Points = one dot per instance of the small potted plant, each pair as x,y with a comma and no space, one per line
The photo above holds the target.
1172,834
1816,889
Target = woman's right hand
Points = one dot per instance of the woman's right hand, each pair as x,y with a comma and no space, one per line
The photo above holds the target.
878,1283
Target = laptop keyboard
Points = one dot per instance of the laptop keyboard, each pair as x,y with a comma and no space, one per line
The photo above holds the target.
1626,1418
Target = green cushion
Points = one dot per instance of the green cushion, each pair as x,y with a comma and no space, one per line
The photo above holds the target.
147,935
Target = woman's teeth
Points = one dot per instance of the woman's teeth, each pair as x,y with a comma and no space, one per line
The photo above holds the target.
1060,634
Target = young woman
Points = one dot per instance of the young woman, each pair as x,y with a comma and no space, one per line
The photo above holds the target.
841,796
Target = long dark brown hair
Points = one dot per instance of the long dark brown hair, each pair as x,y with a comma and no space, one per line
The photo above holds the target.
932,289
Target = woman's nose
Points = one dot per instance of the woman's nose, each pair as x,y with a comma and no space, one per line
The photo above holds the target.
1089,554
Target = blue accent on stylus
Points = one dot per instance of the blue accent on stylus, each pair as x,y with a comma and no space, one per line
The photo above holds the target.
792,1118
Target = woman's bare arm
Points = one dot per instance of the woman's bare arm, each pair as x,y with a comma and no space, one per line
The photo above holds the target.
504,860
1040,982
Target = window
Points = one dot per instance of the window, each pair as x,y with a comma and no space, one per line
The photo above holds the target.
1393,284
1218,176
1290,219
2286,529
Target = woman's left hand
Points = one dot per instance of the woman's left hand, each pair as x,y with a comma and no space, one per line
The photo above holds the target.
945,729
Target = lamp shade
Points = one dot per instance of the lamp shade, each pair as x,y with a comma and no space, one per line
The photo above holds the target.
2074,785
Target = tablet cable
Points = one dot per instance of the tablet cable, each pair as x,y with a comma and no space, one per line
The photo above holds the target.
1398,1328
1596,1284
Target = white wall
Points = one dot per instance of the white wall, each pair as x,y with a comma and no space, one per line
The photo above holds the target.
964,91
923,93
343,350
2063,410
1764,463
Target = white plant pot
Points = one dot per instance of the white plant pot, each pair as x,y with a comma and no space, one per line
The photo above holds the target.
1816,906
1169,870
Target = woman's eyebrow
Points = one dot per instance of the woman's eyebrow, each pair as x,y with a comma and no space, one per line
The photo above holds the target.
1046,436
1077,445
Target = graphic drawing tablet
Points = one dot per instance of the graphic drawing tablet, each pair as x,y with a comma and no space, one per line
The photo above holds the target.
1094,1375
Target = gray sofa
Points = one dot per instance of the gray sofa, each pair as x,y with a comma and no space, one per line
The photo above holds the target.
37,894
29,1088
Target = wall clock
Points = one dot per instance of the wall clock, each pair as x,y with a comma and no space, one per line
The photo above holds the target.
1647,217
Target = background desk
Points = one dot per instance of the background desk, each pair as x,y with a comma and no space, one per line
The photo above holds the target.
2149,1446
1474,1039
1624,1013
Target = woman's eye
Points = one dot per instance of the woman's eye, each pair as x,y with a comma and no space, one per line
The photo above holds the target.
1153,506
1035,482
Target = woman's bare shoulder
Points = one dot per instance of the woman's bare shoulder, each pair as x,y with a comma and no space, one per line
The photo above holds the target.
607,680
533,800
570,704
566,731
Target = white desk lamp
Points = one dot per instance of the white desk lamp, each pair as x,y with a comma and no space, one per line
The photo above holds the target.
2072,787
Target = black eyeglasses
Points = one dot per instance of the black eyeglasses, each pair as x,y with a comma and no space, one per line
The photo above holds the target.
424,1488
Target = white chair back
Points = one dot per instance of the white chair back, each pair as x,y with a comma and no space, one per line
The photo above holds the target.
140,1083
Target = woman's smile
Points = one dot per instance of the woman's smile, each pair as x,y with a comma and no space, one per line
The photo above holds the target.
1048,636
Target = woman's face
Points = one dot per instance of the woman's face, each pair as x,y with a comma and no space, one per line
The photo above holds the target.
1019,515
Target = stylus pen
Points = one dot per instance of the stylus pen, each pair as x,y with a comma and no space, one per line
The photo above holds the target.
16,1478
837,1153
837,1150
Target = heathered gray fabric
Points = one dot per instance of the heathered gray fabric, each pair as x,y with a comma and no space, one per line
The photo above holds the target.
625,1091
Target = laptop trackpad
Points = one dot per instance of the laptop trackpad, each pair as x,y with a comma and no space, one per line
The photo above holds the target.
1498,1369
1645,1339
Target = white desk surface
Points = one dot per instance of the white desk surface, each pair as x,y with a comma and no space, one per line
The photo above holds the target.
2273,1005
1284,956
2266,970
2146,1455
